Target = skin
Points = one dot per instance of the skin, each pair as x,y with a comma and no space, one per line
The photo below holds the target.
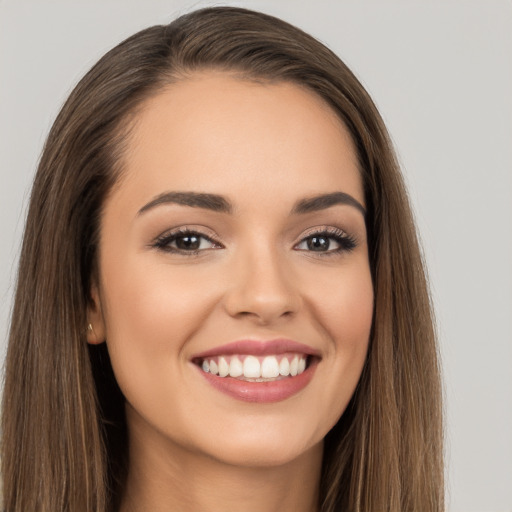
263,147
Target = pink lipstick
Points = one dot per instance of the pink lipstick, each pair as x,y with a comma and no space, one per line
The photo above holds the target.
258,371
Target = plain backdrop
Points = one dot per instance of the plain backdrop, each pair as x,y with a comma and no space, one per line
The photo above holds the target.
441,75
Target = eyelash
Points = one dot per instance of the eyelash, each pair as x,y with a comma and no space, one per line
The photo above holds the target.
346,242
163,242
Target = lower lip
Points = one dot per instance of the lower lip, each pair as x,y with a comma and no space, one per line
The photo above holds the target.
262,392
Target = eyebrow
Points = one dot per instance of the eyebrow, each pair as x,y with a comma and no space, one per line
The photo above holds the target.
212,202
218,203
324,201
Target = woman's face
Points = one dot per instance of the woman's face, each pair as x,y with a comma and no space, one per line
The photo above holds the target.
235,292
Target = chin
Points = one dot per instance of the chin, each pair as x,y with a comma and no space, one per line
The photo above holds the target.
264,445
265,456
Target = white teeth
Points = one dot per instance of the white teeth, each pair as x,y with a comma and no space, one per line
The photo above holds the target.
270,367
252,367
235,367
294,366
284,367
223,367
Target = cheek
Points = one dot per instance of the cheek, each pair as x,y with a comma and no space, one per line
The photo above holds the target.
150,300
343,303
150,313
351,325
344,309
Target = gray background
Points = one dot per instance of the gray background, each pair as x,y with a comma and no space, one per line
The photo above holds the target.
441,74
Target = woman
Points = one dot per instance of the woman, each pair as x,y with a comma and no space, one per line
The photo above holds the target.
221,301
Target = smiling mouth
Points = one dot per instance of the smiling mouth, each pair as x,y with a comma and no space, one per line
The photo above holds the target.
252,368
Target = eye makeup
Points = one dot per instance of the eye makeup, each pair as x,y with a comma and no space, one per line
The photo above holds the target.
185,240
190,241
319,241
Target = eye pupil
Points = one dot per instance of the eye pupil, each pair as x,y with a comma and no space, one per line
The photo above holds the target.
318,243
188,242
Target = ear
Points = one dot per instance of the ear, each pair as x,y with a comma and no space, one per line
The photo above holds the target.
96,324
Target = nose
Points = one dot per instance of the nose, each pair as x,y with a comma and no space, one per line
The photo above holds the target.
262,288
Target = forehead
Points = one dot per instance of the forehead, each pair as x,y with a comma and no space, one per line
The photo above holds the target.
213,132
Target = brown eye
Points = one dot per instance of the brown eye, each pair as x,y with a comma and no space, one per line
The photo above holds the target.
328,242
185,242
318,243
188,242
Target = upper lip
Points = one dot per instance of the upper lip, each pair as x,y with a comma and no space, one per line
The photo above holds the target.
258,348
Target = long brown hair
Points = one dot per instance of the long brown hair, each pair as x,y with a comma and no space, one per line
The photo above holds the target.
64,444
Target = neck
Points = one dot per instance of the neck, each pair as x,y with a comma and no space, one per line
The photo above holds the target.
174,478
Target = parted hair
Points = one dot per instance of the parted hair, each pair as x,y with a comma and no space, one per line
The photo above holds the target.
63,445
